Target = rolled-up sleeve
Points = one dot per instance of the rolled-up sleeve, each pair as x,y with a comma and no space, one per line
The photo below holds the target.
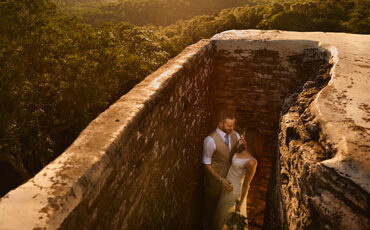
209,147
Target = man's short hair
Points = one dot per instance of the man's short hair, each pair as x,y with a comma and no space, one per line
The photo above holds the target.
223,114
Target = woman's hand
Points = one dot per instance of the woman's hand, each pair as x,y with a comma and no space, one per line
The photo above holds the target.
237,207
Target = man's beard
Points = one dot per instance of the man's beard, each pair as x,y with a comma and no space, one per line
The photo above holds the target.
226,131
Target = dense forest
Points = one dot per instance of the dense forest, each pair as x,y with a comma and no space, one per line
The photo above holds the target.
142,12
58,73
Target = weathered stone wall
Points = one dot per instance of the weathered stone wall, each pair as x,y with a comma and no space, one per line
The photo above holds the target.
253,78
156,169
137,166
321,167
314,195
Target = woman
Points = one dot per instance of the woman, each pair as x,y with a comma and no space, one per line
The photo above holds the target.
240,174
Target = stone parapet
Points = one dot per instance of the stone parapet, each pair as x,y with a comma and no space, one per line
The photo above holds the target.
138,164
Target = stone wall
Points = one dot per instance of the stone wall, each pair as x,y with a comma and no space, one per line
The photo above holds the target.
138,164
253,78
321,167
314,195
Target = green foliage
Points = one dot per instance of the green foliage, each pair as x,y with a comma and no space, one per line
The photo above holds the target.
142,12
57,75
312,15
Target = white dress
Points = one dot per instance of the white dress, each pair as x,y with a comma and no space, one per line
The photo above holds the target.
226,202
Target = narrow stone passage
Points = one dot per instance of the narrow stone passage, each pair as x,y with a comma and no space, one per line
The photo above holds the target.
254,79
138,164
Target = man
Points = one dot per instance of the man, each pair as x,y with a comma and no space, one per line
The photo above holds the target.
217,155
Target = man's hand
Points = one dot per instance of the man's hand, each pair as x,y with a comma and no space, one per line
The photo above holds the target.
243,141
227,185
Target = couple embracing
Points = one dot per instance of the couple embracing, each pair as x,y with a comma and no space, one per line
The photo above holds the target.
229,168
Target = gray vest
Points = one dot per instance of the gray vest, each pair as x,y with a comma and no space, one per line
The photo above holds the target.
221,158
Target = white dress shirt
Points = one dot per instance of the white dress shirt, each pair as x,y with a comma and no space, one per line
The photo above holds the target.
209,145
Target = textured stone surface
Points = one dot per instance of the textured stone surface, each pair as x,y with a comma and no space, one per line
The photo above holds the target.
325,166
138,165
253,77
